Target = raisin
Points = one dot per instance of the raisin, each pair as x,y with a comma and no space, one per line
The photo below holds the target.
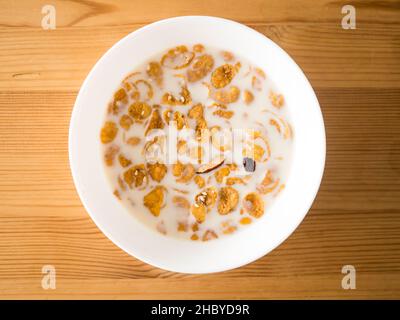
249,164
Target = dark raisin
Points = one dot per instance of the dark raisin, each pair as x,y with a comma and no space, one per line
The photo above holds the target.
249,164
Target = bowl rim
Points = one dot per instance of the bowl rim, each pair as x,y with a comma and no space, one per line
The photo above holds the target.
184,269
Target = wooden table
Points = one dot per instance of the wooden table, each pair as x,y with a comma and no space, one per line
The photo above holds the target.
355,219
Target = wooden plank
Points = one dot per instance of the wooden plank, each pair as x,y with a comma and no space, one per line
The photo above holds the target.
123,12
369,286
35,59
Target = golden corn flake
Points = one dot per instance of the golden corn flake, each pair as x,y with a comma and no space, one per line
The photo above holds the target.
201,130
125,122
223,75
133,141
149,90
157,171
198,48
182,226
245,220
177,169
234,180
227,96
221,174
199,212
187,173
182,147
268,179
279,190
260,73
286,128
218,105
201,66
109,155
223,113
268,184
256,83
183,99
154,200
121,184
119,96
196,112
209,235
254,204
257,152
275,124
155,122
228,56
135,176
248,97
139,110
195,227
123,161
228,227
228,200
155,72
207,197
108,132
177,58
276,99
167,115
180,190
117,194
181,202
238,65
194,237
180,120
232,166
199,181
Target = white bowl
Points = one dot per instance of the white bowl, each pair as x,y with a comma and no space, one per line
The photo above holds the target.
132,235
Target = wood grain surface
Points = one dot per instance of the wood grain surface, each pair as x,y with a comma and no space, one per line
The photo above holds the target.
355,219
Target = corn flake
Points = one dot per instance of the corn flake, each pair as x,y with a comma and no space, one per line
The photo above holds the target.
139,110
177,58
254,204
108,132
155,122
209,235
125,121
181,202
154,200
228,200
199,181
123,161
223,75
157,171
135,176
196,112
110,154
155,72
201,66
